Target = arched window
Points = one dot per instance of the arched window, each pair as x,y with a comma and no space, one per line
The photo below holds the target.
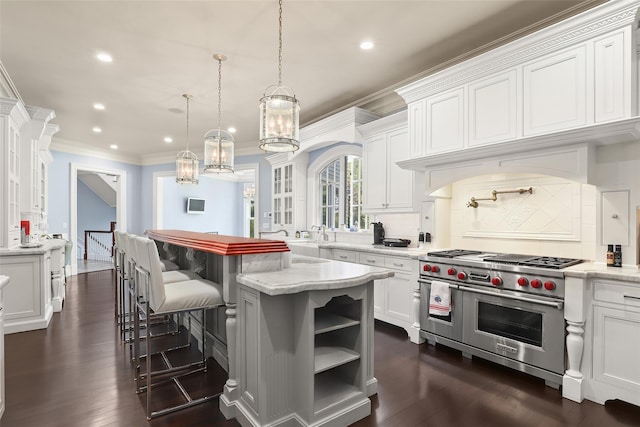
340,193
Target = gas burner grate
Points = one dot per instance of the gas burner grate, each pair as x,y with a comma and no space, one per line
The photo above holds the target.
551,262
453,253
511,259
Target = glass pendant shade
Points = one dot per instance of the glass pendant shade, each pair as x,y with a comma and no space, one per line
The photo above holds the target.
187,161
218,151
186,168
279,120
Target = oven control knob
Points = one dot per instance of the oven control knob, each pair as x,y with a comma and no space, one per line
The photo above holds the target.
549,286
426,267
535,283
435,269
462,275
522,281
496,281
451,272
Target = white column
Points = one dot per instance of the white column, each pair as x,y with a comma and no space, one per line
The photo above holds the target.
575,313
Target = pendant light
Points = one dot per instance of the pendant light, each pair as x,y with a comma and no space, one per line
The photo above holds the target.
218,143
279,111
187,161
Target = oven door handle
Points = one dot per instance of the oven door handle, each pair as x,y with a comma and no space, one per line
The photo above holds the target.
556,304
428,282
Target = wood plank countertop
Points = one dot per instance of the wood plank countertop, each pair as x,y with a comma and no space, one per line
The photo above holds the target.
218,243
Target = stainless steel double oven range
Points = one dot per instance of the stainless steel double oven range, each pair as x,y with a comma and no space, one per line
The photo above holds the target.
507,308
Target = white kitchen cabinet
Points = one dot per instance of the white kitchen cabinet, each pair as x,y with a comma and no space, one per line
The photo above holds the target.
27,302
555,88
35,139
493,109
445,121
616,328
13,116
387,187
394,296
288,189
416,127
612,76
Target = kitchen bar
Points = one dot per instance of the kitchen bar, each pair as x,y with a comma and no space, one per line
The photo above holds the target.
294,326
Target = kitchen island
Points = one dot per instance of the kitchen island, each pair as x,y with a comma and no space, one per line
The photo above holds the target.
299,330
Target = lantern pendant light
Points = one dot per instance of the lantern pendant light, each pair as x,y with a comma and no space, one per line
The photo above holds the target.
218,143
187,161
279,110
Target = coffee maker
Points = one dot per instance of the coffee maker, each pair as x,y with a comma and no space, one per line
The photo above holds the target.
378,233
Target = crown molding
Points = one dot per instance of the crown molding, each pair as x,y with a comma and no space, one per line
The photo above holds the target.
73,147
384,124
587,25
353,116
14,108
7,86
39,113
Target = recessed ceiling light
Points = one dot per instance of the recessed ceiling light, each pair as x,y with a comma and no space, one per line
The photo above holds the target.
366,45
104,57
113,146
232,130
168,139
96,129
98,106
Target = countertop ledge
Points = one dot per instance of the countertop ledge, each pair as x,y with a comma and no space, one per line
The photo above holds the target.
412,253
314,275
47,245
594,270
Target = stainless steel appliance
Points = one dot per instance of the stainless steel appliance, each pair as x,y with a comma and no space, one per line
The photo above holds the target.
378,233
507,308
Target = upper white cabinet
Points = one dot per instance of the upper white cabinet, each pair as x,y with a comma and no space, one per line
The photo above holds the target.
35,158
12,118
567,77
445,124
493,109
387,187
288,185
555,89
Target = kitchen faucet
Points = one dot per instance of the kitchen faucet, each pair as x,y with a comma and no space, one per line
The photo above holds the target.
322,232
282,230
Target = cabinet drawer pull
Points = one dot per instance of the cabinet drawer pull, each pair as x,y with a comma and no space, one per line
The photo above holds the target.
372,261
343,257
631,297
395,264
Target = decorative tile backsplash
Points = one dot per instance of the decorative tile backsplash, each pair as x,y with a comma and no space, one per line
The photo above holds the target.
551,212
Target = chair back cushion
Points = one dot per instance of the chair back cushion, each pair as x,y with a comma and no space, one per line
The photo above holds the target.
152,264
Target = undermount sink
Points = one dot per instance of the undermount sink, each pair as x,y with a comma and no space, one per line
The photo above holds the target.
300,241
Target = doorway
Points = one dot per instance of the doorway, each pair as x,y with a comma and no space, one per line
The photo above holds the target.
117,179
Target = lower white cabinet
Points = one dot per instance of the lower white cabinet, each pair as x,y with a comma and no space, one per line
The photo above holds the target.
27,301
616,350
394,298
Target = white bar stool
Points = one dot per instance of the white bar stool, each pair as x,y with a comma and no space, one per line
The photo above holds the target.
156,298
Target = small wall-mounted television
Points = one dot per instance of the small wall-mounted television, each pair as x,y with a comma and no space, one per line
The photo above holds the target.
195,205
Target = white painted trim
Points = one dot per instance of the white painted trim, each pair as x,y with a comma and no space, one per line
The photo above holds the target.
121,207
312,176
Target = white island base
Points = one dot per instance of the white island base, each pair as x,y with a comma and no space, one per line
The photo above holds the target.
305,358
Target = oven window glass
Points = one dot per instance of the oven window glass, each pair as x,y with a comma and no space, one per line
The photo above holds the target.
520,325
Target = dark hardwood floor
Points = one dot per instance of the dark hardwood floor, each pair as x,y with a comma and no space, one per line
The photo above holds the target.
76,373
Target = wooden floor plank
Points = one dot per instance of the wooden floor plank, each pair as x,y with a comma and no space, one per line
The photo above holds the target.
77,373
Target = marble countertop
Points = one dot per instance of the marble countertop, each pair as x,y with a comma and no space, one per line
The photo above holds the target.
47,244
310,274
412,253
588,270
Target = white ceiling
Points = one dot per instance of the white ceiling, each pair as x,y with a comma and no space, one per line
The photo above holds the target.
162,49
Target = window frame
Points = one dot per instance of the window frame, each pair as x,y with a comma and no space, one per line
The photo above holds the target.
313,181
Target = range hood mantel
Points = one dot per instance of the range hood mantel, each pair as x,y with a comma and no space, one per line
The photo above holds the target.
567,154
595,135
